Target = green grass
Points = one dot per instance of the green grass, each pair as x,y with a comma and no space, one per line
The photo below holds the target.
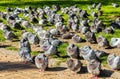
12,48
1,36
34,53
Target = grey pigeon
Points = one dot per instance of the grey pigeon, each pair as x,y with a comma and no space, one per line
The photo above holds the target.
90,37
87,53
9,35
67,36
24,43
49,49
84,29
24,53
33,39
41,62
94,67
16,25
77,39
83,14
113,61
74,27
74,65
55,42
103,42
100,53
108,30
54,32
26,24
73,51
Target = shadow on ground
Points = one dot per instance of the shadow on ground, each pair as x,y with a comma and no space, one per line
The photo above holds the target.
4,46
106,73
11,66
56,69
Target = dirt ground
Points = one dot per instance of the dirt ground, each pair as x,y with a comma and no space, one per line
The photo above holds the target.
11,66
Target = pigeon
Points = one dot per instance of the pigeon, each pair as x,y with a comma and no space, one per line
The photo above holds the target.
9,35
74,65
100,13
73,51
83,14
87,53
24,43
33,39
94,14
100,25
55,42
74,27
42,21
90,37
98,7
93,5
115,5
95,29
16,25
113,61
41,62
103,42
77,39
115,25
114,42
25,54
94,67
108,30
84,29
26,24
49,49
47,35
67,36
54,32
100,53
33,20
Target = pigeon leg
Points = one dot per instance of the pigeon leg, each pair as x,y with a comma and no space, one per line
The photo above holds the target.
24,62
96,77
41,70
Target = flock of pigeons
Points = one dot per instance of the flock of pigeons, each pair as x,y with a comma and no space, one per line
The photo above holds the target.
78,22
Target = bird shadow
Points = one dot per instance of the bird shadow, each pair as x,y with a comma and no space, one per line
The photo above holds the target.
65,56
105,73
83,70
83,40
4,46
16,40
56,69
11,66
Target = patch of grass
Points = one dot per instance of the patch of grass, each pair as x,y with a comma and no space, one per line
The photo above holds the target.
62,49
103,60
12,48
35,52
2,36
